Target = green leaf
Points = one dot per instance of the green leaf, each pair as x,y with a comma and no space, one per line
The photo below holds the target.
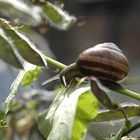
130,109
25,47
7,54
57,122
15,85
86,111
27,79
14,88
57,17
17,9
31,76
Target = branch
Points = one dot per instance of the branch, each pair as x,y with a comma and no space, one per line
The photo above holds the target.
54,64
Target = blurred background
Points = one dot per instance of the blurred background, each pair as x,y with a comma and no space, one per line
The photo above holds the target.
98,21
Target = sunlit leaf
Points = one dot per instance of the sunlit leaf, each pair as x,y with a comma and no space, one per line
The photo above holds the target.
15,85
57,17
57,121
86,111
31,76
25,47
130,109
6,52
21,12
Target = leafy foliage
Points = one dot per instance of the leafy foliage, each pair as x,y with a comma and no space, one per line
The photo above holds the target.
20,46
14,87
57,122
73,108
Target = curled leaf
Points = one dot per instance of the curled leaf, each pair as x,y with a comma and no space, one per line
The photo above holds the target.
25,47
101,94
57,17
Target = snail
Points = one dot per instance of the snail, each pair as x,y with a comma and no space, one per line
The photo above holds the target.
104,65
103,61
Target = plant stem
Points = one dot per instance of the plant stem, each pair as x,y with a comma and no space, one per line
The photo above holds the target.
133,128
129,93
55,64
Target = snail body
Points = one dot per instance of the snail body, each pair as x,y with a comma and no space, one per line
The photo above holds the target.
104,61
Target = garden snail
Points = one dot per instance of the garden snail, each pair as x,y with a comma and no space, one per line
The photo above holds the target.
103,61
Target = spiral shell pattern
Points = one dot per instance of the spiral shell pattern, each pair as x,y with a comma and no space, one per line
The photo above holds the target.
104,61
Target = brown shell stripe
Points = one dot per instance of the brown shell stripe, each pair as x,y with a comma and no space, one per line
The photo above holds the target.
102,73
105,63
102,70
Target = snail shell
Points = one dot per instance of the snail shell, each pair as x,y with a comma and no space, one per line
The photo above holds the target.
104,61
